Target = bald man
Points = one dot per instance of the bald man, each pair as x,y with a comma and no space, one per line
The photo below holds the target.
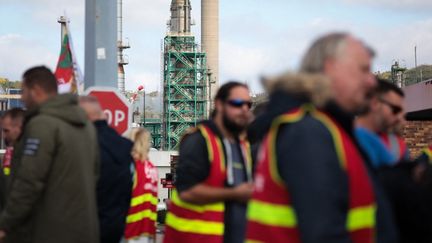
115,182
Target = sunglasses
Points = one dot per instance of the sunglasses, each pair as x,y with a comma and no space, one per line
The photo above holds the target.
239,103
394,108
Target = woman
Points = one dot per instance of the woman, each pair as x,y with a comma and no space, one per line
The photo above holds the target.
141,219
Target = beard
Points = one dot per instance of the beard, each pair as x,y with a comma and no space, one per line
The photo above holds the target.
232,126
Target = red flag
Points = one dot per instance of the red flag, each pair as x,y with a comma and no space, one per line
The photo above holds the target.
64,73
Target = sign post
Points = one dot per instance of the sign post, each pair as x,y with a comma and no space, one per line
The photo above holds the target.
115,106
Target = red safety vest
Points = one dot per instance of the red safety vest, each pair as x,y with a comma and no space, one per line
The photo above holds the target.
7,158
186,222
271,217
396,145
141,218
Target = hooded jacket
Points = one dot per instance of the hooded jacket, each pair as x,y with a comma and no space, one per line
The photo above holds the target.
52,193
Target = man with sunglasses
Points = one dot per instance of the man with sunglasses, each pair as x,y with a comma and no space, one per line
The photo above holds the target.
214,175
385,112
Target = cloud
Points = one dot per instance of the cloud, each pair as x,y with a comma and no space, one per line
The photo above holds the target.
403,5
20,54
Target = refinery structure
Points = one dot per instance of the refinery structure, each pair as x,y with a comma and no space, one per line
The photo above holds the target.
185,83
189,70
189,73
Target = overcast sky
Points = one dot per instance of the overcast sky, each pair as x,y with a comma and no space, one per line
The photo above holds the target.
257,37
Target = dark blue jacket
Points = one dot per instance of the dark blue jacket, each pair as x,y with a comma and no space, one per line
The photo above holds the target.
114,187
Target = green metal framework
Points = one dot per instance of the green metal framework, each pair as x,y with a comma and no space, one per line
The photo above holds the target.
185,88
154,126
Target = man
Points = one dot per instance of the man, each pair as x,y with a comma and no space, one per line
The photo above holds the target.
214,174
407,183
115,182
52,195
312,184
385,111
11,123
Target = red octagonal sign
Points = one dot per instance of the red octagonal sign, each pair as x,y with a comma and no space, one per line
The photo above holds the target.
115,106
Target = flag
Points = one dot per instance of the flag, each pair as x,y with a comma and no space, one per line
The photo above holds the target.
68,74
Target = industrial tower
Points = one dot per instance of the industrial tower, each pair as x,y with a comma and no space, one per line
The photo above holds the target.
184,77
121,58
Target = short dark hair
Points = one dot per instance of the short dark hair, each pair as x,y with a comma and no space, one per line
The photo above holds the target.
41,76
225,90
384,86
16,114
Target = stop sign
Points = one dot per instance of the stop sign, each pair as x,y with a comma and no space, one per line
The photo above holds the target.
115,106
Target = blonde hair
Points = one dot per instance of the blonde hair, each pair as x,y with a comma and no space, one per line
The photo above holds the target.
141,138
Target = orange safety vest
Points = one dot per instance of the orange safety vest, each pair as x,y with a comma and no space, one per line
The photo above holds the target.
186,222
271,217
141,218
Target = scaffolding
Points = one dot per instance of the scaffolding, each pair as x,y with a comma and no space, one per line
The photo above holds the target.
185,88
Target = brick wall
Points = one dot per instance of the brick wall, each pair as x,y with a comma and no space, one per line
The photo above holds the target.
418,135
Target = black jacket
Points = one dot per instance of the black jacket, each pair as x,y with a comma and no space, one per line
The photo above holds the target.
114,187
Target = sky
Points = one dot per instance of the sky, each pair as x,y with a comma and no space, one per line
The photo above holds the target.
257,37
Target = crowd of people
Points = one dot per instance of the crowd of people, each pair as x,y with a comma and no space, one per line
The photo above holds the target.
323,160
69,177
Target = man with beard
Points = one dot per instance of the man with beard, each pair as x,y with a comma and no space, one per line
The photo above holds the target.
213,180
385,111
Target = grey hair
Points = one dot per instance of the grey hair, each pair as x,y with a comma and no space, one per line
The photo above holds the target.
328,46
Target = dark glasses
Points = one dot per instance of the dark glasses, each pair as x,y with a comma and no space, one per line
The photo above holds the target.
394,108
239,103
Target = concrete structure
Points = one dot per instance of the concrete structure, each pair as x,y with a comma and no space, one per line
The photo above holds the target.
100,43
180,22
210,40
121,59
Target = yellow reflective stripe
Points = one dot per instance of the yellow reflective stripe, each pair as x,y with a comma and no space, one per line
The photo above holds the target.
141,215
253,241
216,207
148,197
194,226
428,153
206,137
210,148
361,217
335,133
285,118
6,171
271,214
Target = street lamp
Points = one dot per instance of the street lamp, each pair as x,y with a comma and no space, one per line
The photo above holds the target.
210,106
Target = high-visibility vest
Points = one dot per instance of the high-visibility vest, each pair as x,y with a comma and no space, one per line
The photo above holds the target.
7,158
186,222
141,218
428,152
396,145
271,216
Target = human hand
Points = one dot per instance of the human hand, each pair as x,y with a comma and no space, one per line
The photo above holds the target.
243,192
2,235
